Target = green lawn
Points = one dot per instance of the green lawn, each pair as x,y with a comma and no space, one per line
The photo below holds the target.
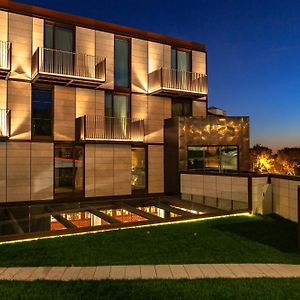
235,239
154,289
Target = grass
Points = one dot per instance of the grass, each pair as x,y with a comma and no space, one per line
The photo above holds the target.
235,239
154,289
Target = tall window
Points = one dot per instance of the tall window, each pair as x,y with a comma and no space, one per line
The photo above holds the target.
69,169
59,38
181,108
41,112
219,158
117,112
117,106
121,61
181,60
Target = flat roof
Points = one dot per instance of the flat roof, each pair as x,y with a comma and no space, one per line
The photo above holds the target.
58,16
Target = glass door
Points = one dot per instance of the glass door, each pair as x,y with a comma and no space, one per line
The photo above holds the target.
68,169
138,170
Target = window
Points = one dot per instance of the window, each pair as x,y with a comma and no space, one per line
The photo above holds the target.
121,61
59,38
181,60
117,112
138,168
221,158
181,108
41,112
117,106
69,169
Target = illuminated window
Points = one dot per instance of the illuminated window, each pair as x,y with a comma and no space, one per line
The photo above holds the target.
220,158
181,60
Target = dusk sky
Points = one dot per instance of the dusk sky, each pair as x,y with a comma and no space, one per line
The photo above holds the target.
253,52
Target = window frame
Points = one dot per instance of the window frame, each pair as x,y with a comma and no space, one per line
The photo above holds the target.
176,57
123,88
181,100
74,194
42,138
219,146
63,25
112,93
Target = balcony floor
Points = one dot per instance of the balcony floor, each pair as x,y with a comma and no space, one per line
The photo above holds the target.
165,92
68,80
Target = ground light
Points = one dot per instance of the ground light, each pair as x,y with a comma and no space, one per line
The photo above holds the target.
131,227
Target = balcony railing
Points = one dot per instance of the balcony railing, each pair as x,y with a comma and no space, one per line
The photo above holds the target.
4,123
178,83
5,58
109,128
50,65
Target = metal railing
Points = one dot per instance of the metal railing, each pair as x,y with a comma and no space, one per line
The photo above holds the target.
93,127
5,55
64,63
177,80
4,123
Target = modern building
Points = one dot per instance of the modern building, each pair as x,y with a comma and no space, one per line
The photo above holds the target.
90,109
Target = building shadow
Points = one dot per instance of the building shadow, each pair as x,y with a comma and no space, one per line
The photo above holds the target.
272,231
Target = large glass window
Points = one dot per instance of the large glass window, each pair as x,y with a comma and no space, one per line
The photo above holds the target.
59,38
138,168
69,169
220,158
181,60
117,112
41,112
121,61
181,108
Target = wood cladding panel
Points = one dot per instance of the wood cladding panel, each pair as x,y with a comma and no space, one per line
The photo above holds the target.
20,35
19,102
64,113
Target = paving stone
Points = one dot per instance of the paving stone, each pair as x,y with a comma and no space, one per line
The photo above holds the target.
237,270
193,271
2,270
284,270
178,271
223,271
9,273
87,273
251,270
267,270
102,272
148,272
55,273
208,271
40,273
117,272
24,273
71,273
163,271
133,272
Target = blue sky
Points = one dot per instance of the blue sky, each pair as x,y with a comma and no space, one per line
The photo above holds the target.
253,52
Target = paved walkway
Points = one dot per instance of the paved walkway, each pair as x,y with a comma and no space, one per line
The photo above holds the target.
192,271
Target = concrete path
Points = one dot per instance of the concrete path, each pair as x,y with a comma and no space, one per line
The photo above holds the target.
192,271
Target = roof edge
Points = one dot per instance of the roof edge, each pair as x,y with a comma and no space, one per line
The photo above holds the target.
49,14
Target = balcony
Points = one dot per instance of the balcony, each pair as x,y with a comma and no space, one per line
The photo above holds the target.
68,68
176,83
101,128
4,124
5,58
